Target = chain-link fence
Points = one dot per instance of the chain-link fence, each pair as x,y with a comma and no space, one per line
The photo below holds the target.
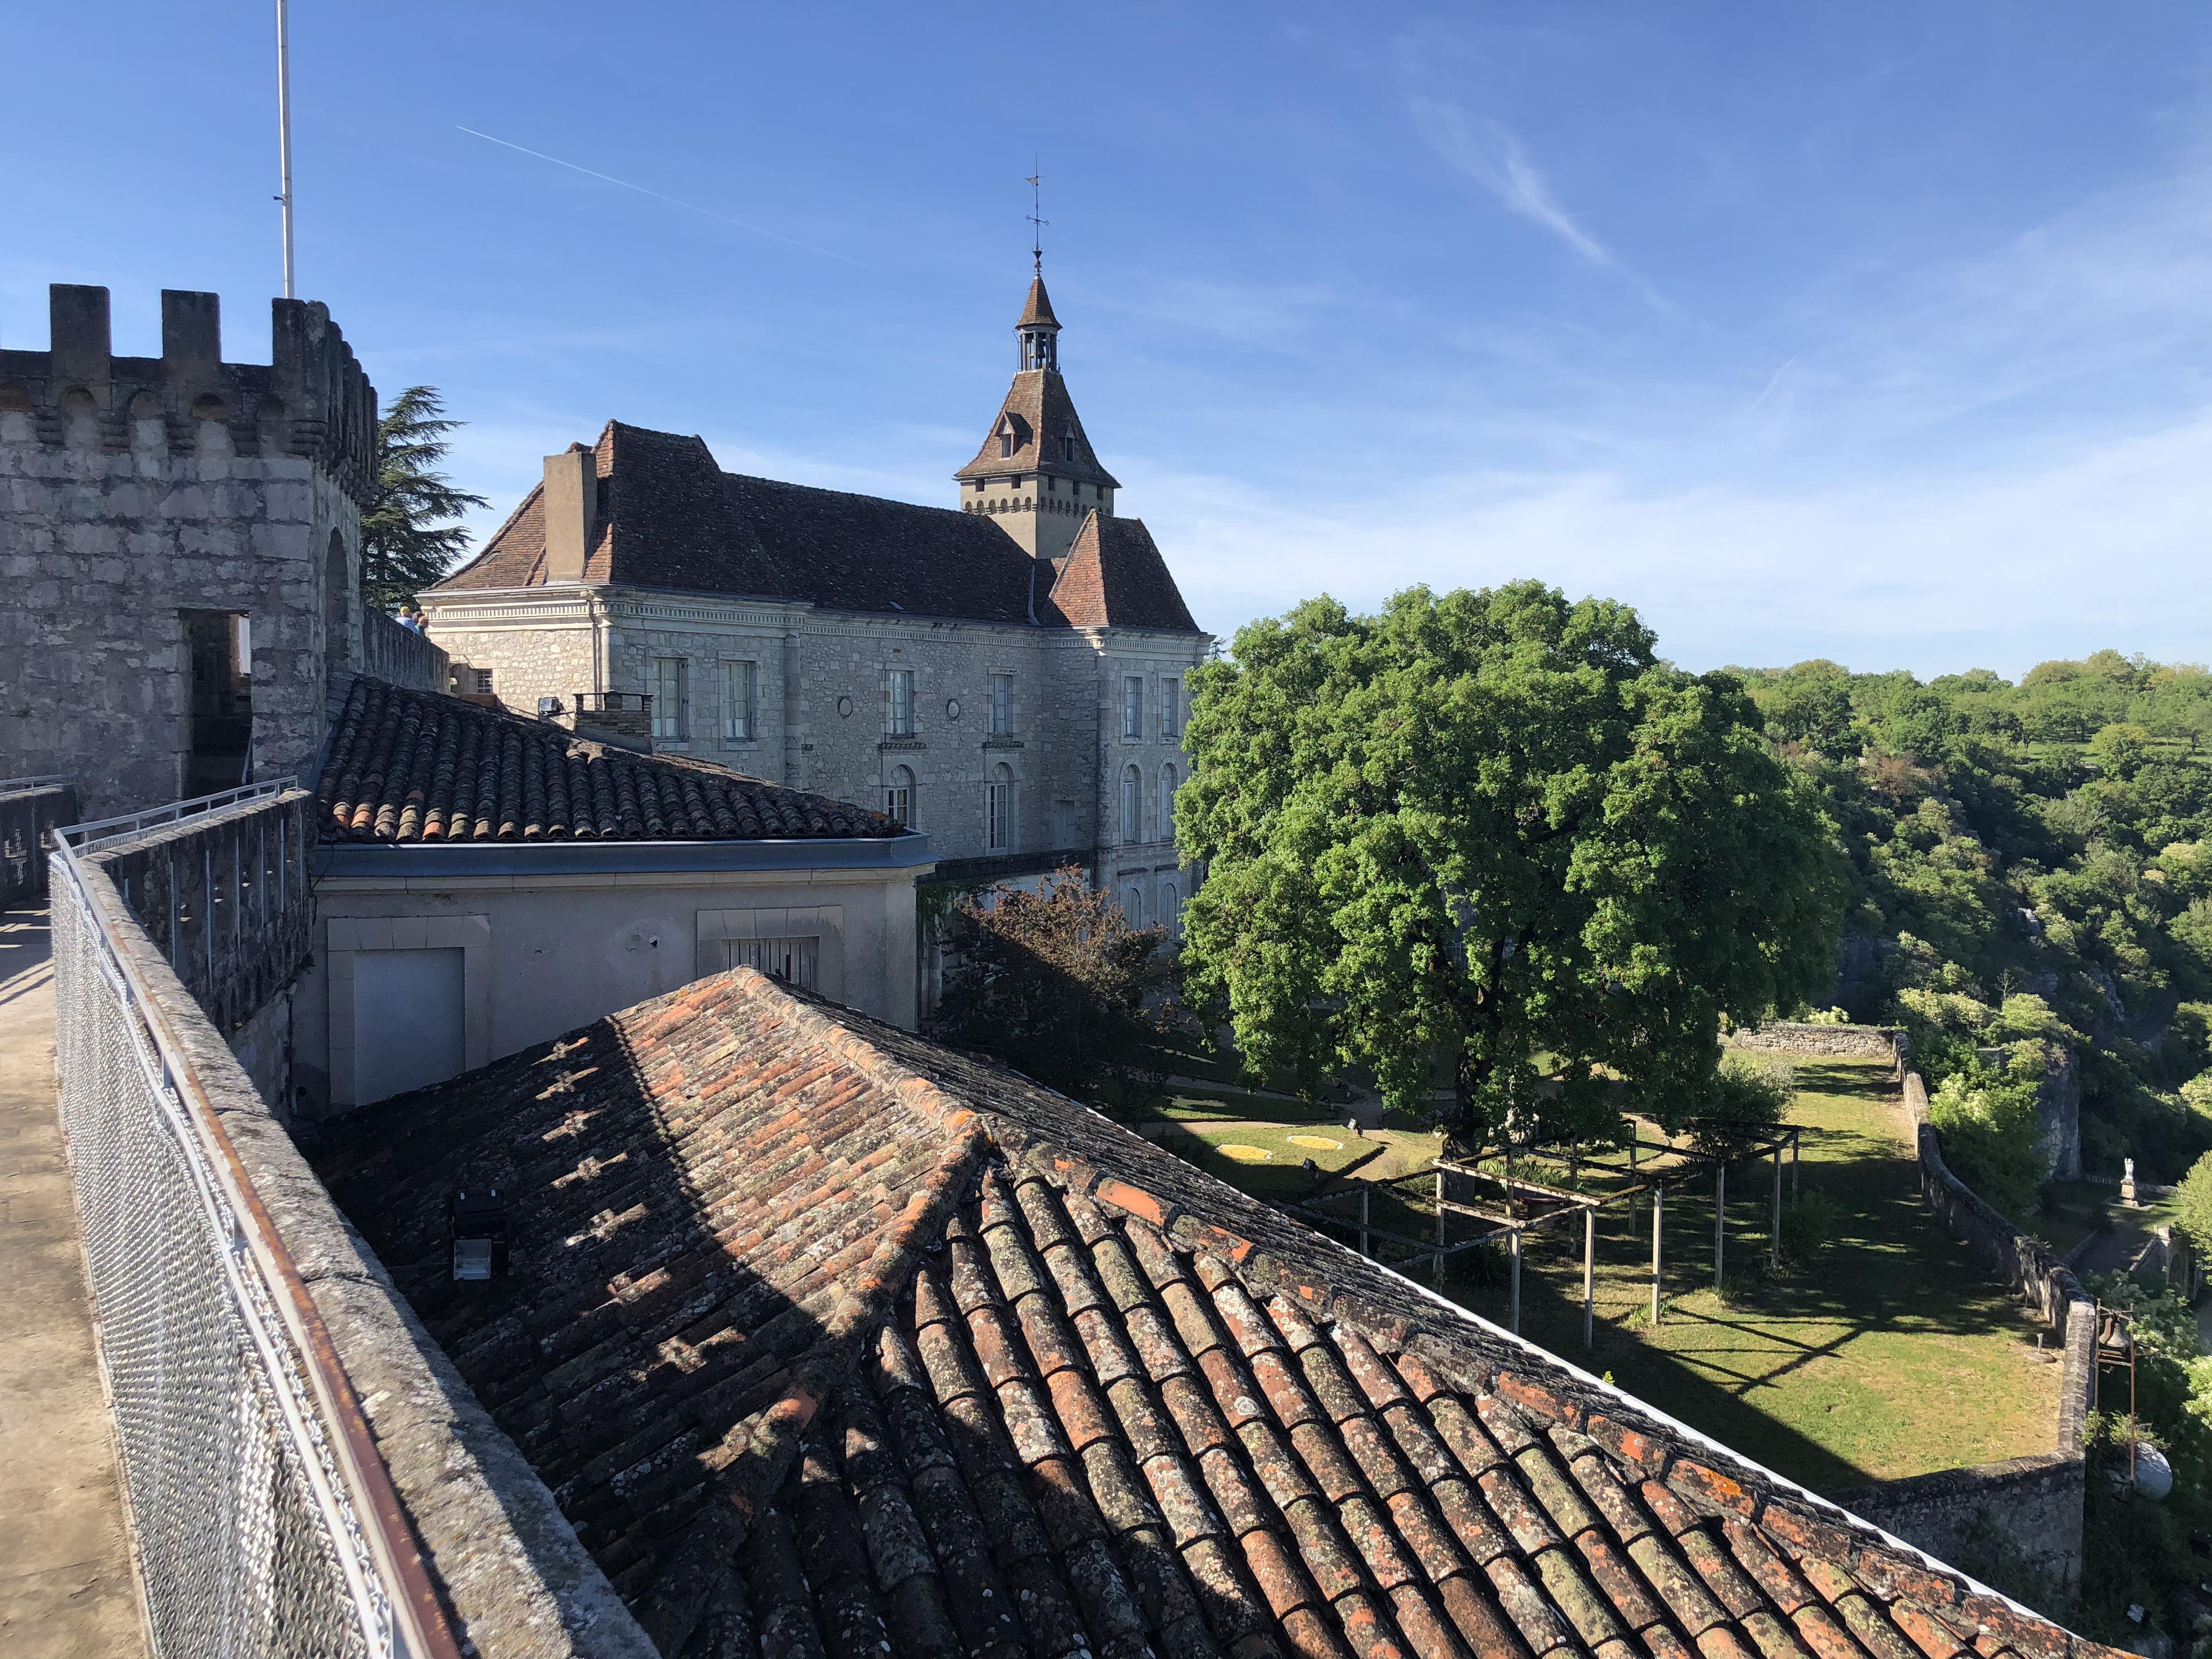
255,1530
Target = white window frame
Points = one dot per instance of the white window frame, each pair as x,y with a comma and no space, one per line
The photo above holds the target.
1133,807
1002,705
1170,708
671,724
1132,706
1171,781
740,700
899,795
898,702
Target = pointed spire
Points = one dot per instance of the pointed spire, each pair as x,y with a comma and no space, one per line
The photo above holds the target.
1037,314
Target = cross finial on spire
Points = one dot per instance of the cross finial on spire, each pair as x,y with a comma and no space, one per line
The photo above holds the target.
1037,236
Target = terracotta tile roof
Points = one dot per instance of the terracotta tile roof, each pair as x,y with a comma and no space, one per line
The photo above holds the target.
1038,412
411,765
1114,576
834,1344
670,518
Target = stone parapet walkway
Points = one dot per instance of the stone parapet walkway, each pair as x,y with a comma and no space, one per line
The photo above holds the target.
67,1586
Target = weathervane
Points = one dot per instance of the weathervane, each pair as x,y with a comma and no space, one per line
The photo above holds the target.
1037,236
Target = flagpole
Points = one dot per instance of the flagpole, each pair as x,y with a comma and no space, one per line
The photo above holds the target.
284,133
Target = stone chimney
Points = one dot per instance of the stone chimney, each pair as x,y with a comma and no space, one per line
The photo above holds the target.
622,720
571,506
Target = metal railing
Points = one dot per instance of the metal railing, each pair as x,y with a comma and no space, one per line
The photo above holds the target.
264,1518
83,837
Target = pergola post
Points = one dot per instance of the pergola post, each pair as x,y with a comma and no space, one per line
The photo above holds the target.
1632,1184
1720,1218
1658,1221
1517,1281
1436,1261
1775,1240
1589,1272
1364,1241
1794,1134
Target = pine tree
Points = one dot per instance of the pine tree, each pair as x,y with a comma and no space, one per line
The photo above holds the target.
406,544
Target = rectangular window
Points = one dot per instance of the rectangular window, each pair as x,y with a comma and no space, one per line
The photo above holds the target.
671,700
1133,707
998,802
740,682
483,681
1002,704
1171,709
898,702
898,800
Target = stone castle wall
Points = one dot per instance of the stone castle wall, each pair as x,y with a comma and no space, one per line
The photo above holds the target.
1838,1041
135,489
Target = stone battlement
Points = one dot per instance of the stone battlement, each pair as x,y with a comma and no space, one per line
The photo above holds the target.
310,400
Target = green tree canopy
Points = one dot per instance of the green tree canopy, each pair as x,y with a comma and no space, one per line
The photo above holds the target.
406,544
1490,838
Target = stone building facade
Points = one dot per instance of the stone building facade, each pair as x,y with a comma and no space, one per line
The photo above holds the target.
1009,678
181,541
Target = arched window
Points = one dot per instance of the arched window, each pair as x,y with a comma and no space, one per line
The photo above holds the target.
898,797
1133,805
1168,781
1132,905
998,809
1171,910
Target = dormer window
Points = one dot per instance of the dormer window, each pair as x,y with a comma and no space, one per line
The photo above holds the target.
1005,442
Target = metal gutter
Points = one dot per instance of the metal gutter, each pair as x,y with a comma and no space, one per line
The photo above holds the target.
544,858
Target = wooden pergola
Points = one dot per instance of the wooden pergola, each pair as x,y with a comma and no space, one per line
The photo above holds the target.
1503,1204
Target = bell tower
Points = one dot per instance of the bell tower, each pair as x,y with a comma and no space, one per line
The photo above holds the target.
1037,473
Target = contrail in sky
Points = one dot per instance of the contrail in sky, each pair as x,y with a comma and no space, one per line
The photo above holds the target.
693,207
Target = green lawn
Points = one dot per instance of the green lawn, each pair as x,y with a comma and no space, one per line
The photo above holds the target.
1891,1355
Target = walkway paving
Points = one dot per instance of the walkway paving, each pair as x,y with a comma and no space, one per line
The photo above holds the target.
67,1587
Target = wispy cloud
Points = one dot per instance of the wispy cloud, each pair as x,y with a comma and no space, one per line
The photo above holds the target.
689,207
1486,153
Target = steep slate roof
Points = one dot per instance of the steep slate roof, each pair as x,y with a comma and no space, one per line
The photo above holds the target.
1037,407
1038,308
411,767
670,518
834,1344
1115,577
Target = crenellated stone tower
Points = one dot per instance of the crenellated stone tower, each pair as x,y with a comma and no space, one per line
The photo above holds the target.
1037,471
180,546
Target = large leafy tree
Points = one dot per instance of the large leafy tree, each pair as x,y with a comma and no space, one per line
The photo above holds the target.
407,542
1490,839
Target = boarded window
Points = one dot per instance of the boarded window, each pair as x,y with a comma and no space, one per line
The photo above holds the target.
794,961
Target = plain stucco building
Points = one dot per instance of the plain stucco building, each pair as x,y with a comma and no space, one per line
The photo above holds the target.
485,882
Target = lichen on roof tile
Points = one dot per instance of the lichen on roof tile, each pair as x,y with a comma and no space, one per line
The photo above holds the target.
823,1345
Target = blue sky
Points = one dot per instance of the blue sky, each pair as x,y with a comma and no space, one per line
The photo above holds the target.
1877,333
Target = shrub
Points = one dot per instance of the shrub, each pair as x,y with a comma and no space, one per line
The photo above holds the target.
1743,1102
1058,985
1808,1225
1989,1133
